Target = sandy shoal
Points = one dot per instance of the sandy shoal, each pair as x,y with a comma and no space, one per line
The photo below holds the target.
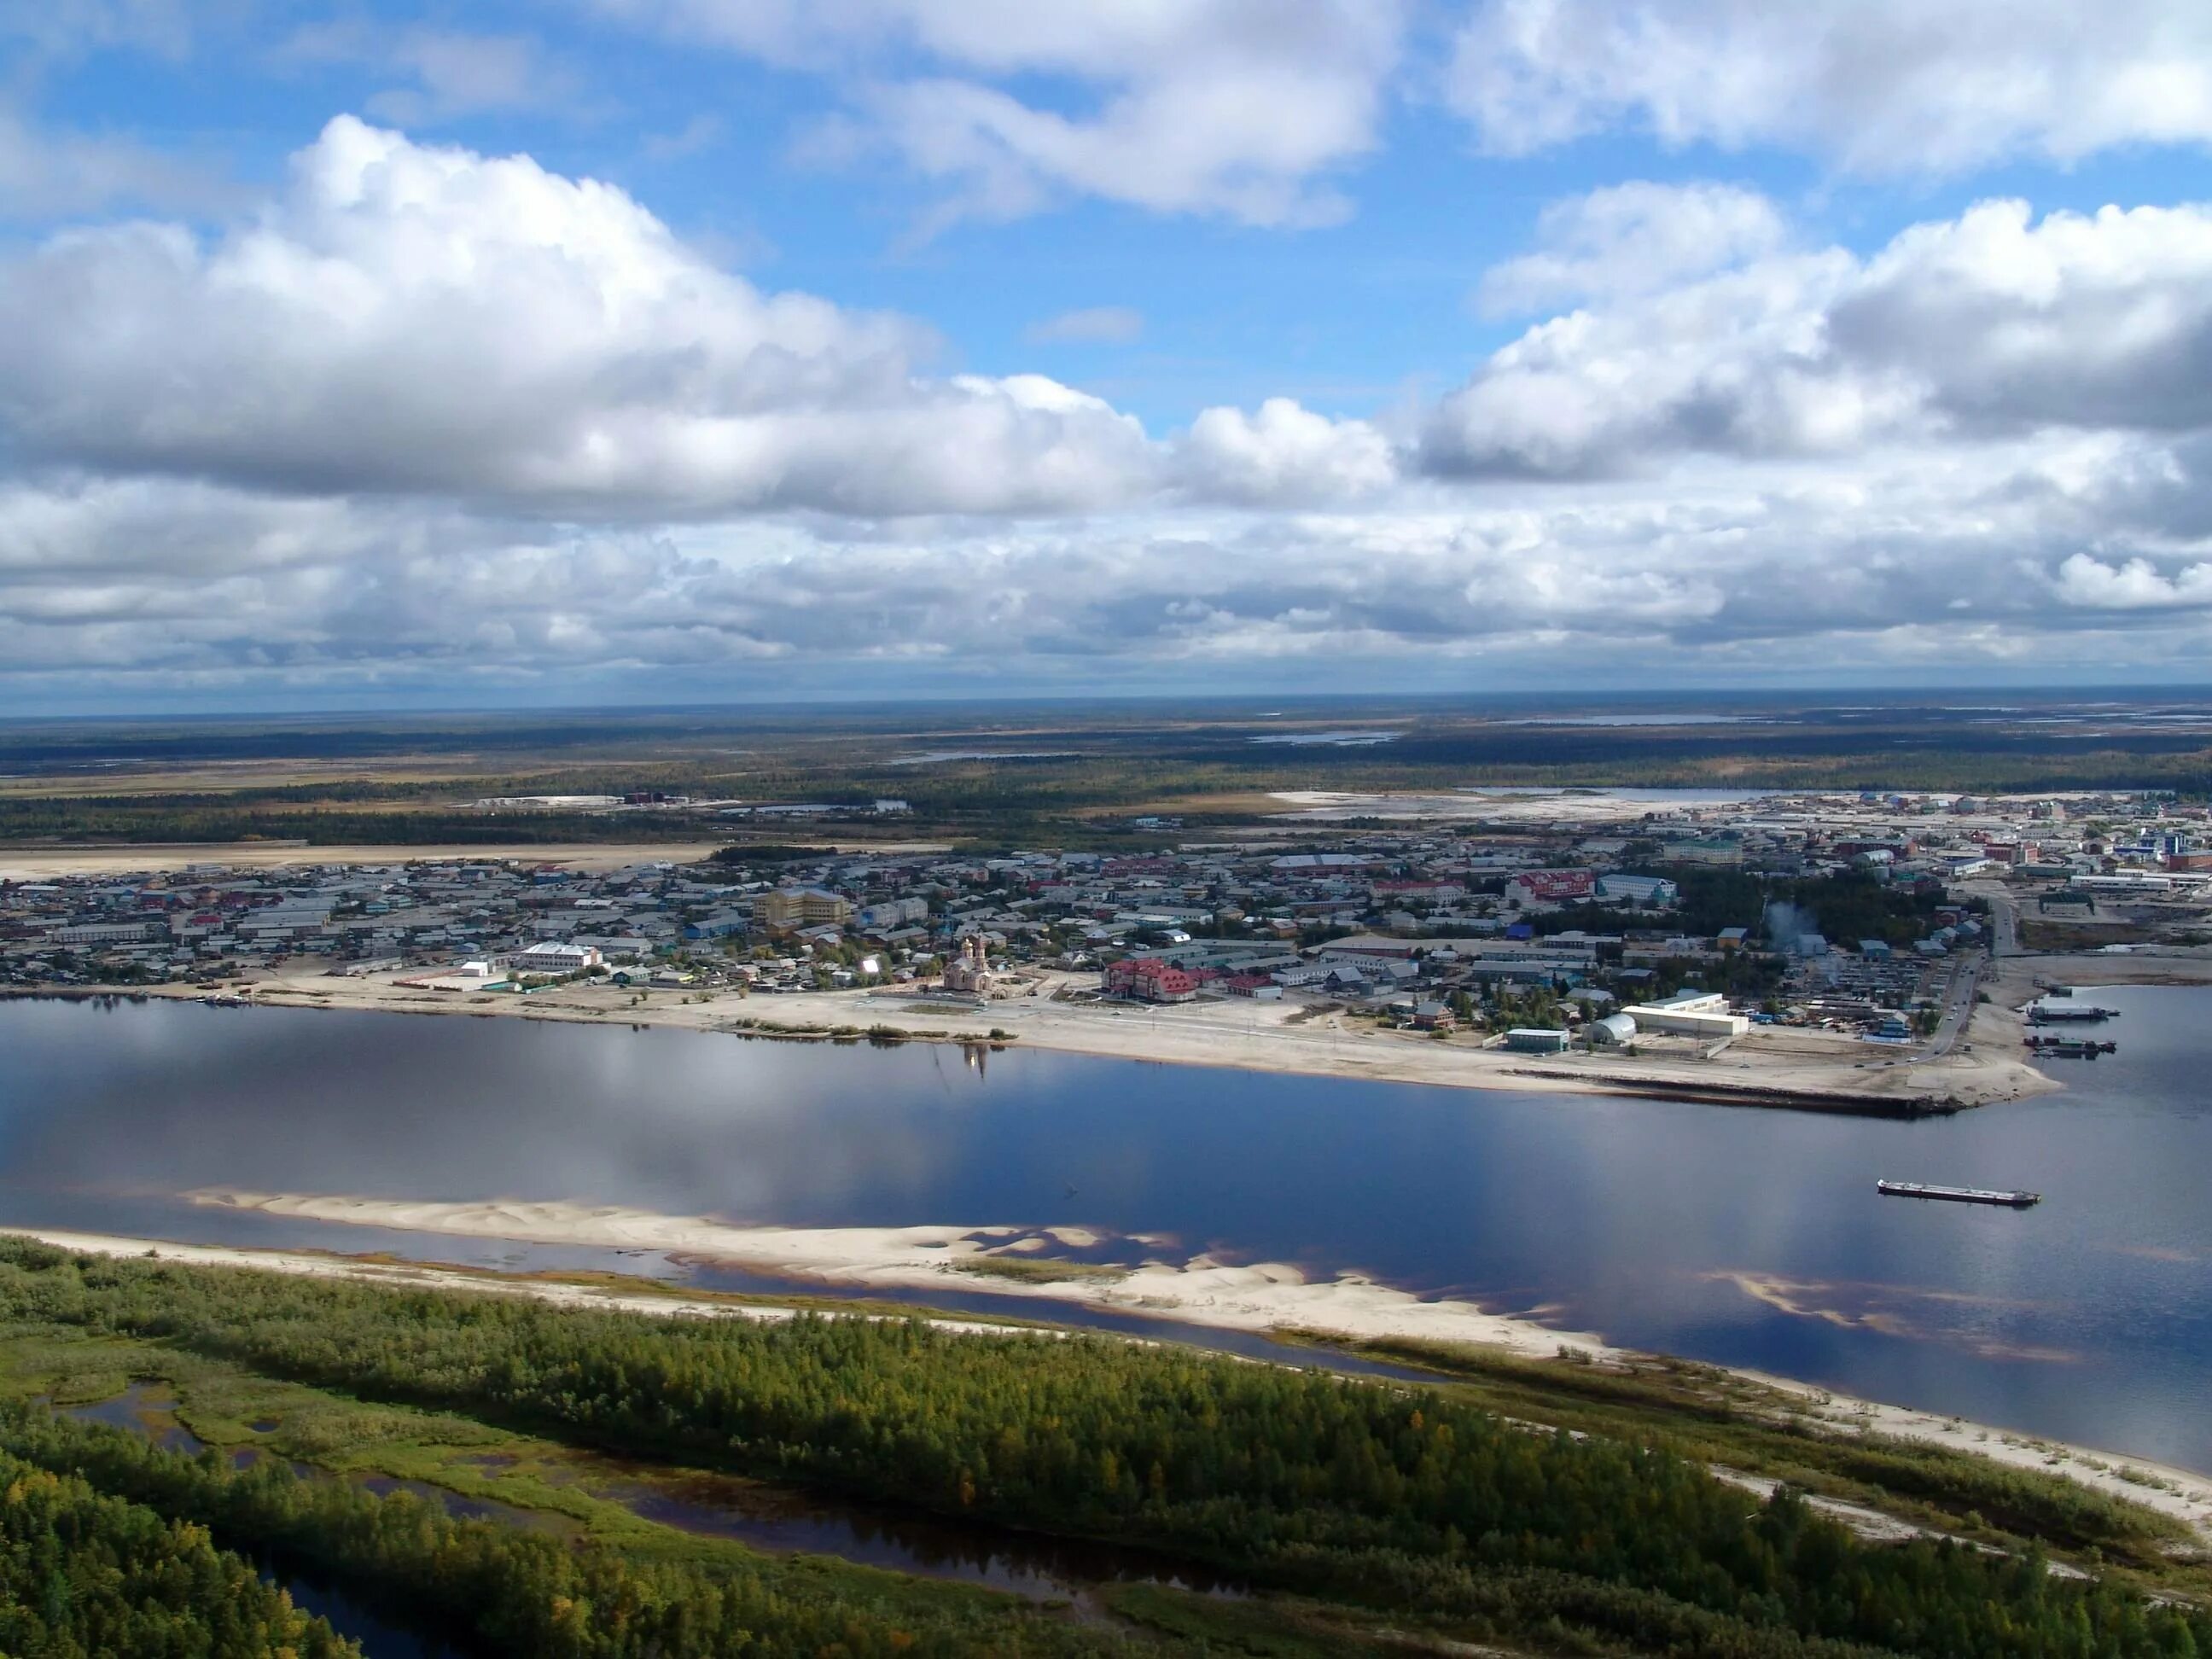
1260,1296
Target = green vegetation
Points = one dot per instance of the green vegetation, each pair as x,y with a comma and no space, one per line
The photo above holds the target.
514,1591
1715,1417
1422,1507
1033,1271
84,1573
1071,776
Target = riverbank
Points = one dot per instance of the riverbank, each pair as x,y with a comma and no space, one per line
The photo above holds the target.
1000,1260
1384,1325
1771,1066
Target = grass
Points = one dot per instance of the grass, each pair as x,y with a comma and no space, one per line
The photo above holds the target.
2037,934
1034,1270
1278,1628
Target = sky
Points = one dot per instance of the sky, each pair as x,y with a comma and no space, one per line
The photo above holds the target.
551,352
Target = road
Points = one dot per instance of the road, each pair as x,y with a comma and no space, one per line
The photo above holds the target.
2004,918
1958,1005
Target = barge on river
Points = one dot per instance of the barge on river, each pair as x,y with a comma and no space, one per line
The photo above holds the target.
2047,1013
1957,1194
2051,1048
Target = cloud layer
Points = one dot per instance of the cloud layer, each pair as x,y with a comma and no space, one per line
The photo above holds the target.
1992,324
1876,86
1229,108
410,320
430,418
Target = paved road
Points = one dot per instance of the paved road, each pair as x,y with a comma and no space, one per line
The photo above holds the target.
1970,975
2004,919
1959,1006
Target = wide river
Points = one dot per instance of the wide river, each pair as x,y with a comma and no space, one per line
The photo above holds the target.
1744,1237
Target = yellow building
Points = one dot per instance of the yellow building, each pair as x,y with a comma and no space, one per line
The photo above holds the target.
802,906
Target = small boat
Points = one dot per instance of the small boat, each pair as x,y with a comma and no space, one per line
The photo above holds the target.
1957,1194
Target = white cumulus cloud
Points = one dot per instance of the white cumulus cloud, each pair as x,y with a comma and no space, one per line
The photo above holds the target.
1233,108
1990,323
417,319
1876,86
1632,238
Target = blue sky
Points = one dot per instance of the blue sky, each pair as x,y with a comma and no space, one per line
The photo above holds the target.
434,353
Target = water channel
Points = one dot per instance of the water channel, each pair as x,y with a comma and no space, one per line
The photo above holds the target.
771,1519
1739,1236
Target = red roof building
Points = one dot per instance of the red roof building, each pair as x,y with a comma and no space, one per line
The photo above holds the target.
1150,980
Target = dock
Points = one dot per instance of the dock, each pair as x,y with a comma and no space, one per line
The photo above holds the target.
2014,1200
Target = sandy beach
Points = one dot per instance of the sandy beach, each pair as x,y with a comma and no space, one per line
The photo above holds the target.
1246,1298
1260,1296
1772,1065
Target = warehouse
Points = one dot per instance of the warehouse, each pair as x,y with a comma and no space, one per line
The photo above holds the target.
1701,1014
1614,1031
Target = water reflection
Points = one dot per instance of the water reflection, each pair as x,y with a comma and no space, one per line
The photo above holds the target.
771,1519
148,1409
782,1522
1693,1229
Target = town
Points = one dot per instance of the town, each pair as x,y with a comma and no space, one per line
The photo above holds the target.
1827,927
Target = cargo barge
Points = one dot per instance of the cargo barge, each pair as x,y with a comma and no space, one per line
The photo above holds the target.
2051,1048
1957,1194
2043,1013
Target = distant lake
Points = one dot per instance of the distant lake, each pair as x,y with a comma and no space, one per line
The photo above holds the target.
1739,1236
1652,797
1329,739
1641,719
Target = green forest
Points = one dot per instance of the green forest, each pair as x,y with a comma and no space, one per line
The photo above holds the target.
85,1573
1379,1500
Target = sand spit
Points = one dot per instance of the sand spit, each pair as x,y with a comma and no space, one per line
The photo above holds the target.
1260,1296
2181,1494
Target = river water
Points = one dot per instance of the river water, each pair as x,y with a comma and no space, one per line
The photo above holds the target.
1744,1237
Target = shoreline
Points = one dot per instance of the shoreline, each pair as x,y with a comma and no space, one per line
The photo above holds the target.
1772,1068
1259,1297
2182,1494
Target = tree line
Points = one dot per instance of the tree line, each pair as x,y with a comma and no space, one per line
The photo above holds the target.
85,1575
1382,1494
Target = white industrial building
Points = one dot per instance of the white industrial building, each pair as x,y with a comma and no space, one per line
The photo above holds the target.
1614,1031
1703,1014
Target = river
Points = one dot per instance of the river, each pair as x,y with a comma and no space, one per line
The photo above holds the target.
1743,1237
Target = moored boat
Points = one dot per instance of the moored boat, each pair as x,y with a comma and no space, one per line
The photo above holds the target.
2017,1201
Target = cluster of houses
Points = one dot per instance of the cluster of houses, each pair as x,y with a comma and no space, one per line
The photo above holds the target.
1423,924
